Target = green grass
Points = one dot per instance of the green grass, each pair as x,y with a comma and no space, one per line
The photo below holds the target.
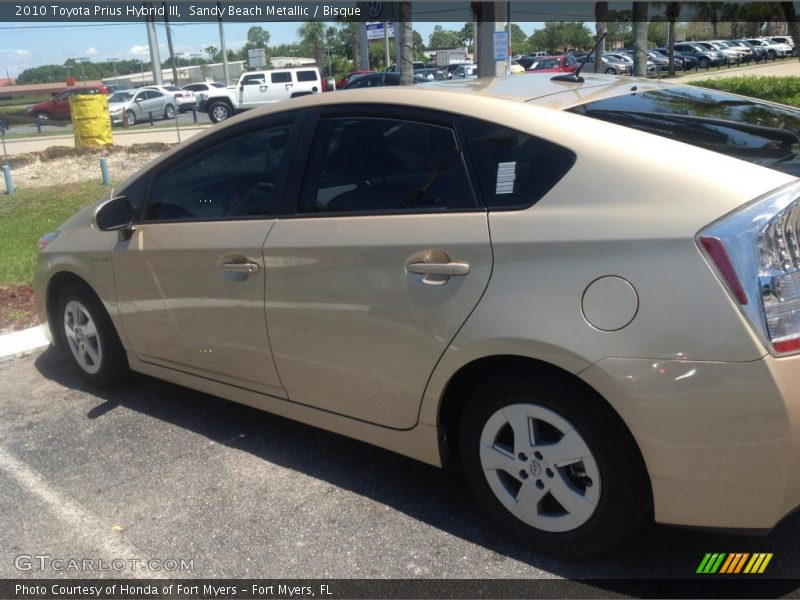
30,213
785,90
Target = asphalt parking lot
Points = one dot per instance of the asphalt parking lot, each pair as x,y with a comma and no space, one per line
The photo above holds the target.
156,471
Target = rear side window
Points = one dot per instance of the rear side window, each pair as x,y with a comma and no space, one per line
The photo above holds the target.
515,169
282,77
364,164
306,76
744,128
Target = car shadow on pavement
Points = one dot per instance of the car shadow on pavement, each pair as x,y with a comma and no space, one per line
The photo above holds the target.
439,498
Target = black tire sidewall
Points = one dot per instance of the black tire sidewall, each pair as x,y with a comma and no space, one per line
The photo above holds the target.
113,362
624,498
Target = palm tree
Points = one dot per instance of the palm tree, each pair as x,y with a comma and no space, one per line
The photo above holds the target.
600,17
313,34
640,39
673,10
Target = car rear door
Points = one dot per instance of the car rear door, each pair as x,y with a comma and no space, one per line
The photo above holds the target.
382,257
190,281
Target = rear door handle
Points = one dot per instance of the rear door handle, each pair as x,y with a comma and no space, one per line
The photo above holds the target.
247,267
450,269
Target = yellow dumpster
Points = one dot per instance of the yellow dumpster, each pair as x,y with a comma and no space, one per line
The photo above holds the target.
90,120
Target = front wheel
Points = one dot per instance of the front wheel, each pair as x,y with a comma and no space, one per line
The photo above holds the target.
553,466
169,112
704,62
219,111
611,71
90,337
130,118
42,115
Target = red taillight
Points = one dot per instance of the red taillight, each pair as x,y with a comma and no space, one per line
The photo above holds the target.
716,251
787,345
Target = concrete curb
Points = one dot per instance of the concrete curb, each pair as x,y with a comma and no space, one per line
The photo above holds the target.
19,343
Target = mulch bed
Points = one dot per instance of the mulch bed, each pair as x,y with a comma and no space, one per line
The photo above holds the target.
16,308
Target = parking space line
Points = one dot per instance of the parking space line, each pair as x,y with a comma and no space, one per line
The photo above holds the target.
79,519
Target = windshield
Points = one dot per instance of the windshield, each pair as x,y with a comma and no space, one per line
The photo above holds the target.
743,128
120,96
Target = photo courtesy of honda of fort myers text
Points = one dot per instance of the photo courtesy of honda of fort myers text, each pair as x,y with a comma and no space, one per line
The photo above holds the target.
462,300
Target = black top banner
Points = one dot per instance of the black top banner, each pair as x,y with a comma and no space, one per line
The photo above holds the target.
200,11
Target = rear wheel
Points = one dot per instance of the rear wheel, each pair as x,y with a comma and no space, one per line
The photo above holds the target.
553,466
90,337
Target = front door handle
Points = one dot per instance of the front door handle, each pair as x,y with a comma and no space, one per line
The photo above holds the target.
247,267
449,269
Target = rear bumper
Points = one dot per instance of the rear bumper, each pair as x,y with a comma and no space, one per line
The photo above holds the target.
721,441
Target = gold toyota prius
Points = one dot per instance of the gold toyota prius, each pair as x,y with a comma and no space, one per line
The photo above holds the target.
585,292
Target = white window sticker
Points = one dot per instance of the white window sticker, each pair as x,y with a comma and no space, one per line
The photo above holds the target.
506,176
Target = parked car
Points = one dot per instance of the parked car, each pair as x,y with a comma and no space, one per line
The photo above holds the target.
782,39
451,68
516,68
468,71
350,77
381,79
705,58
431,74
114,87
757,52
612,65
626,55
454,276
138,105
687,61
416,66
564,63
58,106
201,89
184,99
771,50
259,88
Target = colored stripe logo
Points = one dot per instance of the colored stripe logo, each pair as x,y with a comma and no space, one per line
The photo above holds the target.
734,563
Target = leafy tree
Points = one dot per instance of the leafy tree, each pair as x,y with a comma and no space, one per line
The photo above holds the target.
519,40
443,38
467,35
257,37
560,36
212,52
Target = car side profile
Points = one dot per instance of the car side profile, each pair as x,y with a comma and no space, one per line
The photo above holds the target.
58,106
447,271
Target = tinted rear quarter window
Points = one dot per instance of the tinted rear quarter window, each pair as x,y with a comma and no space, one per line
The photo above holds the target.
306,76
283,77
515,169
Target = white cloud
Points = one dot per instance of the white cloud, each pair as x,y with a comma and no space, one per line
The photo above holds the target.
139,50
91,51
18,53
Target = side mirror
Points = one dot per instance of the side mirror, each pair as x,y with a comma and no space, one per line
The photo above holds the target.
241,87
116,215
137,99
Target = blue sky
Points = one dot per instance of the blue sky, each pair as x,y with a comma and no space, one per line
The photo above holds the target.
24,45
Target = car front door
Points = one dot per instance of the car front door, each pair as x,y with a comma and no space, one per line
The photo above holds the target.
190,281
382,260
253,91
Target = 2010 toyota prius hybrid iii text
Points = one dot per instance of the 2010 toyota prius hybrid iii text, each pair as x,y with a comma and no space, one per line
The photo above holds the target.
489,272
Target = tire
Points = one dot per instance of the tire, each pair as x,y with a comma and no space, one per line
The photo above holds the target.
704,63
88,336
590,502
611,71
130,117
42,115
169,112
772,54
219,111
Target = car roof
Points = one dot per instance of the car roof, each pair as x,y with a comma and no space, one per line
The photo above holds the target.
540,89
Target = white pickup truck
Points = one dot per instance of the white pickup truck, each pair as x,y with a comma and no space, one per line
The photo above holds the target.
257,88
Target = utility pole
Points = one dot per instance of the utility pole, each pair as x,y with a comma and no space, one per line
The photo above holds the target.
82,60
169,45
223,47
155,58
113,62
363,42
386,42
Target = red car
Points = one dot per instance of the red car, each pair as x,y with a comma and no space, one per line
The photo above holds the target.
350,77
58,106
554,64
